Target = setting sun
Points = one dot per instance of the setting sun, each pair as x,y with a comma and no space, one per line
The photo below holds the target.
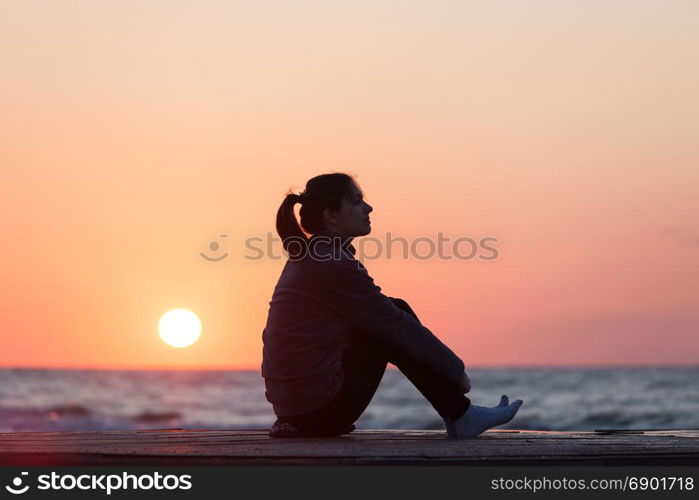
179,328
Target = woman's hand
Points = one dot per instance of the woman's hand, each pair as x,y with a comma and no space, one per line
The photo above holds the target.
465,383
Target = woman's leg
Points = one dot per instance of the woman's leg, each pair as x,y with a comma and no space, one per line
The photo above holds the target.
446,397
447,402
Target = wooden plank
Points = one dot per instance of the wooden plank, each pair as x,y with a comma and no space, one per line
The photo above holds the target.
379,447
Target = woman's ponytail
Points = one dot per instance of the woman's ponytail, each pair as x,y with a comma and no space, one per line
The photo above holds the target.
288,227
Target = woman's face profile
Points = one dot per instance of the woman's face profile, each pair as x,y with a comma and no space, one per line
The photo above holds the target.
352,219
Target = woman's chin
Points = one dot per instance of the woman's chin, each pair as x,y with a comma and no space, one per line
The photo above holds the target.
363,231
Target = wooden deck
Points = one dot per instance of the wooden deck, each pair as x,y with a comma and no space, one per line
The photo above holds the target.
380,447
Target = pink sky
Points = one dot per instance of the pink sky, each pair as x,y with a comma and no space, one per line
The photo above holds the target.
132,134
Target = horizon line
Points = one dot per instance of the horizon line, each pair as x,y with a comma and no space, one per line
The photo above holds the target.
390,367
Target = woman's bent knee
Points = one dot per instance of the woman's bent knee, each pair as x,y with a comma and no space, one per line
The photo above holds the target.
404,306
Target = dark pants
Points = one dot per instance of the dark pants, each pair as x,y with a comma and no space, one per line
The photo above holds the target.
363,366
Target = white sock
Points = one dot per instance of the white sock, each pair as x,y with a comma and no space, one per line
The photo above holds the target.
479,418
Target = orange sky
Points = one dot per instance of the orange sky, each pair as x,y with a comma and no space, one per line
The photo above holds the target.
133,133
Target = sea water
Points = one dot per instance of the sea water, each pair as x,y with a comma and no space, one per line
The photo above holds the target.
554,399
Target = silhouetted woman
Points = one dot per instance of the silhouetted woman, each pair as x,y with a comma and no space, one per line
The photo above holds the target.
330,331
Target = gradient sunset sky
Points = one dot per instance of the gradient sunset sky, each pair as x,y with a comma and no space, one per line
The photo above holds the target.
133,133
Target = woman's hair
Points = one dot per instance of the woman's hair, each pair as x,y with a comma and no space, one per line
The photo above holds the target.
323,191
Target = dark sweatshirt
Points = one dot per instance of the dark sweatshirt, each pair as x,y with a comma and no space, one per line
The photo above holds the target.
318,304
